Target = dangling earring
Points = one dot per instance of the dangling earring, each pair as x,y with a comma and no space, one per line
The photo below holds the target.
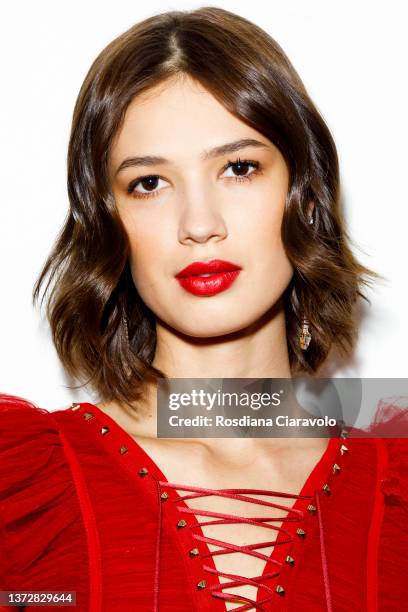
125,322
311,220
305,335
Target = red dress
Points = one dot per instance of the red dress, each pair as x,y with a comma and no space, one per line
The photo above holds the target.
84,508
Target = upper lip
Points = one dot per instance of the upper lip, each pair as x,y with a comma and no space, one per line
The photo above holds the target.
206,267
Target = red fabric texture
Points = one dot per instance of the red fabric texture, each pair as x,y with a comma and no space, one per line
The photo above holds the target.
77,514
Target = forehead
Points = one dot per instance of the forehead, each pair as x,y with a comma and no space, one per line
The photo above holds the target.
177,119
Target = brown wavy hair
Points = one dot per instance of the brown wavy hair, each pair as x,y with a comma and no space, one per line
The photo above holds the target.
101,328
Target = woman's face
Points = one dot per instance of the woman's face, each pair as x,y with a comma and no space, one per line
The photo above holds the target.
191,206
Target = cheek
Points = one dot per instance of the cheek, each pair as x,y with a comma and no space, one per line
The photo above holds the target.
261,235
144,258
262,227
148,254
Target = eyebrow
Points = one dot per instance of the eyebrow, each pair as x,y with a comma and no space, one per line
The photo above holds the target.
229,147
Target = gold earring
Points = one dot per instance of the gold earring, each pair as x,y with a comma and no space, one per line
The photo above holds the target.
125,322
305,335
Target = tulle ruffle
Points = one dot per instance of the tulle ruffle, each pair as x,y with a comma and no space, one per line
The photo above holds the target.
391,419
40,519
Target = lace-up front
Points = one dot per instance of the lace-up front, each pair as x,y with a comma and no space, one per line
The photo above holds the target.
273,565
179,532
289,530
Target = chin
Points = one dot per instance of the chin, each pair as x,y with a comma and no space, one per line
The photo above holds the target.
210,329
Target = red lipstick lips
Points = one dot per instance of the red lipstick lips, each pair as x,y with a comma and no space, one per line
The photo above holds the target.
221,276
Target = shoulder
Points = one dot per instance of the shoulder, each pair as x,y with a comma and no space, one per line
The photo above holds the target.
387,435
24,428
37,492
28,434
390,428
11,406
14,407
393,485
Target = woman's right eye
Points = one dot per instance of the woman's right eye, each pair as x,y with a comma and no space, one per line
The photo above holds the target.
148,184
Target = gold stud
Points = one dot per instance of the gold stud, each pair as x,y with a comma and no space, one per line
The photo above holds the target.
279,589
104,430
326,489
290,560
164,495
88,416
311,508
343,449
181,523
75,406
123,450
194,552
301,533
336,468
143,471
202,584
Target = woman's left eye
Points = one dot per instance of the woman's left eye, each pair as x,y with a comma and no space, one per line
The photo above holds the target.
242,166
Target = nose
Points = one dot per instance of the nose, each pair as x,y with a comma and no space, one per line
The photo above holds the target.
201,218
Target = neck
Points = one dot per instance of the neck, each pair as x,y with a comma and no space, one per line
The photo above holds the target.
258,351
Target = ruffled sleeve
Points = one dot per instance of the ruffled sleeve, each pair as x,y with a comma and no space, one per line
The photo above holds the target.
393,549
391,421
41,529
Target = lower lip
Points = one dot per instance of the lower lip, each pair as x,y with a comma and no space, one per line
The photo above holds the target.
208,285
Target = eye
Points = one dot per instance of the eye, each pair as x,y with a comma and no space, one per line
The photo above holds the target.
148,184
242,166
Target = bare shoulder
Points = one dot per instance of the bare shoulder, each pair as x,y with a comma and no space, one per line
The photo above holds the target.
132,422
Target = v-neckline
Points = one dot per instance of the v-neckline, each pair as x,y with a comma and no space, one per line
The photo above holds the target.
314,480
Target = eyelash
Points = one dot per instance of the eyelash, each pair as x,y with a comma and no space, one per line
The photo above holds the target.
238,179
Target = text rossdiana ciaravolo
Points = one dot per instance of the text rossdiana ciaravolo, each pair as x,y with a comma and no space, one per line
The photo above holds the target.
249,421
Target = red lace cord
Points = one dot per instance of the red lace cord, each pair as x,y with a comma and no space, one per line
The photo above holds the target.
293,515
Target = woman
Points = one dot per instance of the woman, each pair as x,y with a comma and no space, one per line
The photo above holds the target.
194,142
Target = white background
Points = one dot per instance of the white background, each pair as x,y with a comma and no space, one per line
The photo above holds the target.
352,58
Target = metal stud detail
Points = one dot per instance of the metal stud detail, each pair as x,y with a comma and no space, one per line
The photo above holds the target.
143,471
301,532
290,560
88,416
123,450
336,468
75,406
181,523
343,449
279,589
311,508
326,489
164,495
104,430
194,552
202,584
